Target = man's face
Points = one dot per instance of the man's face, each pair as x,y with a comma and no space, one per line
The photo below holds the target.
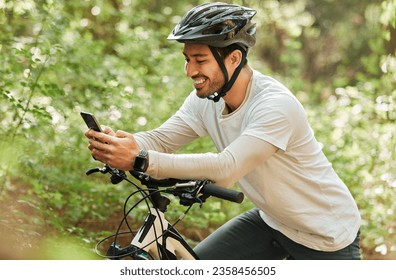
203,69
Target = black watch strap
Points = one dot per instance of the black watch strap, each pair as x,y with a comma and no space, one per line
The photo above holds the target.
141,161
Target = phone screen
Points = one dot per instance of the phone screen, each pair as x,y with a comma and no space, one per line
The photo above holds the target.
91,121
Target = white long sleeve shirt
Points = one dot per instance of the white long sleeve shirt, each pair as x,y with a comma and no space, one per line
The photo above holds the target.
291,180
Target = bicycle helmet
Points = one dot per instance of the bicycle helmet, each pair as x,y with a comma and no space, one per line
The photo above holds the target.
218,25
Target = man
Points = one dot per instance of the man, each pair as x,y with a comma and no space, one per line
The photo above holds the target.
264,142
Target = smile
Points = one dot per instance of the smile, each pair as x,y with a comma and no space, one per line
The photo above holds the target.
199,81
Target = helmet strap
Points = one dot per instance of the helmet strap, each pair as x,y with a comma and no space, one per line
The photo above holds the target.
228,82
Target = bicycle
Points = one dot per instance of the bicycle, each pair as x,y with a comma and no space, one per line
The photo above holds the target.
157,238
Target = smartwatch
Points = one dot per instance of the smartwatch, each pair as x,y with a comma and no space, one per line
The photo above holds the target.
141,161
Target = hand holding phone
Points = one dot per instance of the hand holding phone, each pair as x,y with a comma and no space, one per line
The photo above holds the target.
91,121
117,175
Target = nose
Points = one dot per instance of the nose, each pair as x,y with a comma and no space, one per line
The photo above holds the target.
190,70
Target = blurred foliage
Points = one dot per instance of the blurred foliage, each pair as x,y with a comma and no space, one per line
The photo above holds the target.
111,57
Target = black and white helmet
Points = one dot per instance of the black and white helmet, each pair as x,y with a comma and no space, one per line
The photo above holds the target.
218,25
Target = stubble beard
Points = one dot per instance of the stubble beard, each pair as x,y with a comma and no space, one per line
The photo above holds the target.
211,86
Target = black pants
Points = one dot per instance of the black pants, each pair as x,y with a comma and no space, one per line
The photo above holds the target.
248,237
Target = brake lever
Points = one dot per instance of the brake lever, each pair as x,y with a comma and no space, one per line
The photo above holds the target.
116,175
94,170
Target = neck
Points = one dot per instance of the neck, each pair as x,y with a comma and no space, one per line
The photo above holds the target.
237,93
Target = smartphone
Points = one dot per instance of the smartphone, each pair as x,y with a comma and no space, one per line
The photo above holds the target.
91,121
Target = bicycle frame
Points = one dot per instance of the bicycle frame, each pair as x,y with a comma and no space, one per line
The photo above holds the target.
160,240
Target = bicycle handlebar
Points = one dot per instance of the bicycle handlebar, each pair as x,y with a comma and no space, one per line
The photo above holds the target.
206,188
147,180
223,193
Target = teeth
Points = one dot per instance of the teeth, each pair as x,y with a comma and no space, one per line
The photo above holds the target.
197,82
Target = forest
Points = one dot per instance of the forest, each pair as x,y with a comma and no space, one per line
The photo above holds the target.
112,58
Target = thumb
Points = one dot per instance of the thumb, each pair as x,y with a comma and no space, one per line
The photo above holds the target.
123,134
128,140
108,130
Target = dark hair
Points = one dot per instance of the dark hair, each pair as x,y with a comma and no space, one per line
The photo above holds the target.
226,51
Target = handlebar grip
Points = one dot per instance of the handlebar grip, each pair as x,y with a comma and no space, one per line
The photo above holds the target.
223,193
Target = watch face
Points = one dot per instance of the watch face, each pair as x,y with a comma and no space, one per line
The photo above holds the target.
139,164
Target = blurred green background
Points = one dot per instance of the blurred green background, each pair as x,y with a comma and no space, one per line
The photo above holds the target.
111,57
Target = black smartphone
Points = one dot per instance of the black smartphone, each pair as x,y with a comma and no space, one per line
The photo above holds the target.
91,121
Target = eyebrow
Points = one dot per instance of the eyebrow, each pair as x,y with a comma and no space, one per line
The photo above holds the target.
196,55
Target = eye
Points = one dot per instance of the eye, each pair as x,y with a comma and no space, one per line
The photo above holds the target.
201,61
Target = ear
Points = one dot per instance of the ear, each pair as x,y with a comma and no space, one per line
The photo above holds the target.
235,58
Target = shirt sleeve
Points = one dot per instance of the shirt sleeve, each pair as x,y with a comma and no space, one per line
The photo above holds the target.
224,168
169,137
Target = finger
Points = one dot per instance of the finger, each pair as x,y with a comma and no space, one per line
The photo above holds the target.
122,134
100,136
96,155
98,145
108,130
100,155
90,133
87,133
